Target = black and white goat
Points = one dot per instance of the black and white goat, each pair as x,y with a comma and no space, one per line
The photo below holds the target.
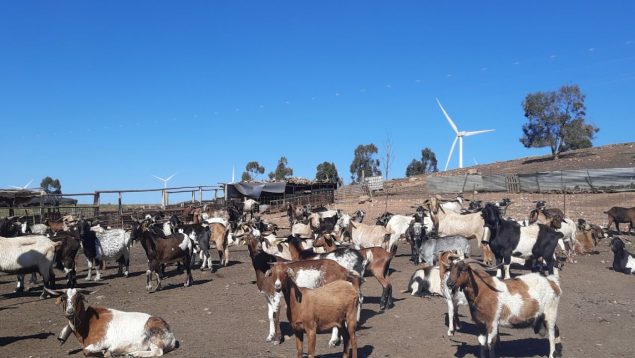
509,239
623,261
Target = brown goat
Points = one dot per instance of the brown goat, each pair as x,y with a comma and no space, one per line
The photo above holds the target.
619,215
334,305
378,263
218,234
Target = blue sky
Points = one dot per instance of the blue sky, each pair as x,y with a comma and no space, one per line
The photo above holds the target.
103,95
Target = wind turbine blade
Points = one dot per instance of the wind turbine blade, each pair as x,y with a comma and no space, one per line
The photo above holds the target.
451,151
456,130
467,134
161,179
27,184
170,177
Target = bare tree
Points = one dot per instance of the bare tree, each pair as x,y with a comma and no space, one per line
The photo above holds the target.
388,159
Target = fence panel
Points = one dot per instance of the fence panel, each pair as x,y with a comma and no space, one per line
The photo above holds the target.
583,180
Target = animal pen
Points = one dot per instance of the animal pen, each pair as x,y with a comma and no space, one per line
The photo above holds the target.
38,206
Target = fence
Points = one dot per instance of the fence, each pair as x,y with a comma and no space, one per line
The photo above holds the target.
583,180
111,214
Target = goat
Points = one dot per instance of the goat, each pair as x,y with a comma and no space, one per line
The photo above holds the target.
623,261
473,207
397,225
620,215
222,237
108,332
249,206
566,226
432,246
334,305
200,235
11,227
433,279
549,212
586,239
363,235
65,255
261,262
26,254
448,223
55,226
296,214
111,244
161,249
314,274
510,239
302,230
528,300
378,265
349,258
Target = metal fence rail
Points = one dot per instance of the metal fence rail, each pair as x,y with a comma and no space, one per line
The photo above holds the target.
583,180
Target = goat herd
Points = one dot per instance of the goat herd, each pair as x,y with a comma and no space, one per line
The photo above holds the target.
318,270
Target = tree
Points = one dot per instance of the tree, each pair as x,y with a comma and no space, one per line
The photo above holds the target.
252,171
326,171
427,164
364,164
51,186
556,119
282,171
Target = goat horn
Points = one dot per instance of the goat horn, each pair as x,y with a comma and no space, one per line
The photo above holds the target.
54,292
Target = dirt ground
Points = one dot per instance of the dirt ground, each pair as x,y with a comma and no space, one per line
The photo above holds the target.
223,315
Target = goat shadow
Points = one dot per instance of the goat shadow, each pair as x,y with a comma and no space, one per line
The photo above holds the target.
114,274
362,352
5,341
527,347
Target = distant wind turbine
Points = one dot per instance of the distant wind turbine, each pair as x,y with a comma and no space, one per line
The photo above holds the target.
165,181
22,187
459,137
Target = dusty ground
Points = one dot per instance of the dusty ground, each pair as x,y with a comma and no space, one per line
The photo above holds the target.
223,315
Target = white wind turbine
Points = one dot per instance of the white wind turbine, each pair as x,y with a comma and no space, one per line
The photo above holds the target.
164,192
459,136
165,181
22,187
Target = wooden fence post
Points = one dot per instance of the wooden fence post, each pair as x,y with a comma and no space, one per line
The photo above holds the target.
96,204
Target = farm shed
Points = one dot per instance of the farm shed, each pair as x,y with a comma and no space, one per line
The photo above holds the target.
14,199
275,194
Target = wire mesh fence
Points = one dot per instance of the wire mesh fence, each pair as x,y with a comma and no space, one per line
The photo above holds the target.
583,180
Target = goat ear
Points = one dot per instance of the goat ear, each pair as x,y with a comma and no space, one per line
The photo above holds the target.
290,272
59,300
268,273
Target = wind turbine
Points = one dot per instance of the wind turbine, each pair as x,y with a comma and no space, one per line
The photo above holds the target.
165,181
164,193
22,187
459,136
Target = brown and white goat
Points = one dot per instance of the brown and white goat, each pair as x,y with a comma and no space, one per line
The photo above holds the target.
109,332
334,305
528,300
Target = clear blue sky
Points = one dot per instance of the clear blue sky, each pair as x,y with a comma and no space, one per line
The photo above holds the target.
104,94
